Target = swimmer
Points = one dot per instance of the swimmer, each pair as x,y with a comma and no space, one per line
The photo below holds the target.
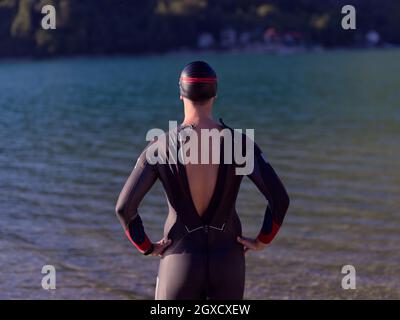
202,253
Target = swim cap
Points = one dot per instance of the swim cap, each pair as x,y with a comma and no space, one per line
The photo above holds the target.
198,81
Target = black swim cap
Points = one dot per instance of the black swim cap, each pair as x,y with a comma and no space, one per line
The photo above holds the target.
198,81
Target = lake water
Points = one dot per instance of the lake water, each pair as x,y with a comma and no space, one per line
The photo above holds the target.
71,129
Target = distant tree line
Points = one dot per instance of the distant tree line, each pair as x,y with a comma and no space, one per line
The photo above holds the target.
141,26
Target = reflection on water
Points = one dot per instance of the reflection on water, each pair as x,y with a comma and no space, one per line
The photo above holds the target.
71,131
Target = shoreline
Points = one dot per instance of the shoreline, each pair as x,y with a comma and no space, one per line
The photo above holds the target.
275,50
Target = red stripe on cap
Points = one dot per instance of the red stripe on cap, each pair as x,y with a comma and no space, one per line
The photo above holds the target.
198,80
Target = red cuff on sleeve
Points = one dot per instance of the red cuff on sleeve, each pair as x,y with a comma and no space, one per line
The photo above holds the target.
267,238
144,246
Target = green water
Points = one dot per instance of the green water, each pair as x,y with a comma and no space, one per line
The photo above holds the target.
71,130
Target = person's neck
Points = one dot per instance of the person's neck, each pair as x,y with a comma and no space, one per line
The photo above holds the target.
197,115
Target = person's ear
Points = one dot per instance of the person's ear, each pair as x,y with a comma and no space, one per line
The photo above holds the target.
180,97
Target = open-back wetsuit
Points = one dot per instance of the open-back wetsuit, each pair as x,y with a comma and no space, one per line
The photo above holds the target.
204,260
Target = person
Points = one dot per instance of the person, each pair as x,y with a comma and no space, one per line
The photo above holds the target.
202,253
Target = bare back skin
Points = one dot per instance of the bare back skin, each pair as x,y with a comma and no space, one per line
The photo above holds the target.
202,177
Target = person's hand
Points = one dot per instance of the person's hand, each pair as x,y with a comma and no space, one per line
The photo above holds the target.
251,244
160,246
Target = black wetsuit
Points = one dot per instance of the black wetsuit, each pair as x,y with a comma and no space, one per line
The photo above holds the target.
205,260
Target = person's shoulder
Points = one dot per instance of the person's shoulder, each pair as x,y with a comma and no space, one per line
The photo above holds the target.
162,142
240,135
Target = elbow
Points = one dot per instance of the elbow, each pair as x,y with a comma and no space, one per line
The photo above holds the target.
120,211
125,213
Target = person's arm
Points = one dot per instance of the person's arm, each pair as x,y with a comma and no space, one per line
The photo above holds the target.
142,178
269,184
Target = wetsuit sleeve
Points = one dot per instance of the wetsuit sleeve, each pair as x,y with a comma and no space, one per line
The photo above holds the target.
140,181
269,184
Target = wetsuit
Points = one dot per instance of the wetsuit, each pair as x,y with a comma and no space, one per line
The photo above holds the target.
204,260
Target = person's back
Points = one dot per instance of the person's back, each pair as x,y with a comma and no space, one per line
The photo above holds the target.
202,252
202,175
